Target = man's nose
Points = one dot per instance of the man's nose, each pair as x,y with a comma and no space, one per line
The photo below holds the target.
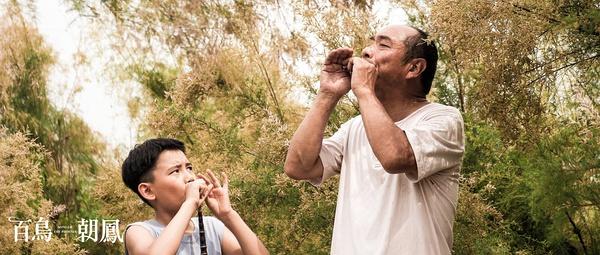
366,52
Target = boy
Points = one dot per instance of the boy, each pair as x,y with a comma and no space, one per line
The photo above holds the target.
159,172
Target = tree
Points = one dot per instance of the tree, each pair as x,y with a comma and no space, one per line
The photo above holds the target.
21,188
73,149
528,69
220,76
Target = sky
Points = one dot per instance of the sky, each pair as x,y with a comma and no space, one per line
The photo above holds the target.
79,82
84,89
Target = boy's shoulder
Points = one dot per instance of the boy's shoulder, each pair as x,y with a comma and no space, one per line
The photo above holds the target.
210,222
152,226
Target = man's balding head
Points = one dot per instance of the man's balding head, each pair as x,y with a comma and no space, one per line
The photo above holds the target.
418,45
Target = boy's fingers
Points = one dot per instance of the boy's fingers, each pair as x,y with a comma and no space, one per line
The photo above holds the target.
205,191
225,180
214,179
203,177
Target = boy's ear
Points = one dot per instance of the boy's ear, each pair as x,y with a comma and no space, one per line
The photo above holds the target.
145,189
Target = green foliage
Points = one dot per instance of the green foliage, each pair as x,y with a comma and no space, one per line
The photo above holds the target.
158,80
520,56
543,199
562,173
67,169
530,149
479,228
21,188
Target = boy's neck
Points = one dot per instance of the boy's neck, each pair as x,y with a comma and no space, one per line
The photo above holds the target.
164,217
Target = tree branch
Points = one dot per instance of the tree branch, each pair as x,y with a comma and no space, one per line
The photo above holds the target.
269,83
577,231
561,68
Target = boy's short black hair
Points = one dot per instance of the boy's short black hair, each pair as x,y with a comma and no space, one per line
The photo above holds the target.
140,162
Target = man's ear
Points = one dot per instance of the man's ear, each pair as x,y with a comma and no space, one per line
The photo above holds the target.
415,68
145,189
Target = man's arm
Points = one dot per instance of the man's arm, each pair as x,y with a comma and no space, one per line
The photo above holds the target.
389,142
302,161
140,241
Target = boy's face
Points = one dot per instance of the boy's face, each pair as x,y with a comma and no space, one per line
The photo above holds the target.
171,173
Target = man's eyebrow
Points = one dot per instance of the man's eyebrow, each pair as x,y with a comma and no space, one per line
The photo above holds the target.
380,37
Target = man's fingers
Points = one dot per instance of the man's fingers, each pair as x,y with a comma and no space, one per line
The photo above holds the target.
338,56
350,64
347,53
331,57
361,62
345,63
343,54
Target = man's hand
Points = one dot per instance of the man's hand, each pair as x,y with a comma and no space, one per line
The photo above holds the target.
218,198
364,76
335,77
196,191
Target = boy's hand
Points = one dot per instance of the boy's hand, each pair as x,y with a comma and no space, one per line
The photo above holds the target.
218,198
196,191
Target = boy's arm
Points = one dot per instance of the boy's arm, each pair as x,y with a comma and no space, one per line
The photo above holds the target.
140,241
238,238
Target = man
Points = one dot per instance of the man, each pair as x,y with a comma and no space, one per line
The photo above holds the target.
399,160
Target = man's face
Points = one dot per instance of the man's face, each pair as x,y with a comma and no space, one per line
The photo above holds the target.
171,173
388,50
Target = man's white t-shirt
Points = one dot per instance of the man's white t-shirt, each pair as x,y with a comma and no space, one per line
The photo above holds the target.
382,213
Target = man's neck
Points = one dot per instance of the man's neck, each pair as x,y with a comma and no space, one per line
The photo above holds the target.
399,104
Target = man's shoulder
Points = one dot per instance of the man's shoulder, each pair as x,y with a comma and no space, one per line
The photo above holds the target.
437,109
442,107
